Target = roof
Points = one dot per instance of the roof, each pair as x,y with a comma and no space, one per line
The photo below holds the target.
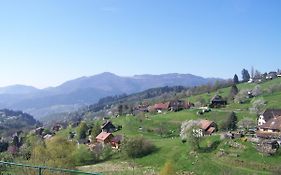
162,105
103,136
264,134
106,124
211,130
273,123
217,98
204,124
270,113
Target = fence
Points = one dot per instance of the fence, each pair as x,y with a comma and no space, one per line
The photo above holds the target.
8,168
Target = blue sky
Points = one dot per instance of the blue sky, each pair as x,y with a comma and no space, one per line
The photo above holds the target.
44,43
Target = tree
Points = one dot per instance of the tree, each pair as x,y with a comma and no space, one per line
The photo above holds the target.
235,79
137,147
120,109
230,123
96,130
233,92
190,133
245,75
82,130
57,152
257,74
252,72
257,90
241,96
3,146
246,123
258,105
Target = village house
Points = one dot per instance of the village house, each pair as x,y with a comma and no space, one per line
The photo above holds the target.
39,131
159,107
267,115
141,108
104,138
177,105
271,75
271,129
217,101
57,127
108,127
207,127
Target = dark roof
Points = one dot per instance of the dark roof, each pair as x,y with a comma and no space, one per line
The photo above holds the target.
107,123
273,123
270,113
217,98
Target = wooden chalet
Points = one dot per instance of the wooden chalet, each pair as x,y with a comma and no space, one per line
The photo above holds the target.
267,115
270,129
108,127
208,127
217,101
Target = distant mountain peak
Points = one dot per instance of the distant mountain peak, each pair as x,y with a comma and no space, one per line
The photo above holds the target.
18,89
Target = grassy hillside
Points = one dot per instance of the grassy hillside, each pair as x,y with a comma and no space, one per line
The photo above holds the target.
216,156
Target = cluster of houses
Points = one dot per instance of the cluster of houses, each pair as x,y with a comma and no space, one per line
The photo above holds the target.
266,76
106,136
174,105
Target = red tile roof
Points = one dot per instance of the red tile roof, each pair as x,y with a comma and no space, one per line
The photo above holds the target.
103,136
204,124
162,106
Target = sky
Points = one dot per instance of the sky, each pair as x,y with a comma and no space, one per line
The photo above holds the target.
44,43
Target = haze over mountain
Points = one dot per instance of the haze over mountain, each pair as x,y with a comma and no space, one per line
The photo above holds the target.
87,90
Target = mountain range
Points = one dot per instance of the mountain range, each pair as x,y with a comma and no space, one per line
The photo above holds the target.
87,90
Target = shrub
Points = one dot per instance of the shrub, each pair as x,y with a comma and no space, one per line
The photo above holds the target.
258,105
138,147
83,155
257,90
230,123
241,96
274,88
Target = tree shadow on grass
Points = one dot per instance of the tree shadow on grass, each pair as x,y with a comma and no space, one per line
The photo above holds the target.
210,148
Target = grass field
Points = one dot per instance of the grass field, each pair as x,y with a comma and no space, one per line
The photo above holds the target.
209,160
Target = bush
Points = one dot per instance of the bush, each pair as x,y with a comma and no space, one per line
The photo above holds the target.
138,147
230,123
257,90
274,88
241,96
258,105
83,155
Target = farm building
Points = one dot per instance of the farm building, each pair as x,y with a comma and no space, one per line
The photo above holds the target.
104,137
208,127
267,115
270,129
217,101
108,127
